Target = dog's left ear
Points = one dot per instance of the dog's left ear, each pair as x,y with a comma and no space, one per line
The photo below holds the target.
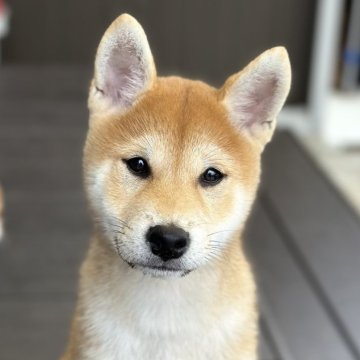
124,66
255,95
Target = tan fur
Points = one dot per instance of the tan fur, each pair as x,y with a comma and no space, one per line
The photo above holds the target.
181,126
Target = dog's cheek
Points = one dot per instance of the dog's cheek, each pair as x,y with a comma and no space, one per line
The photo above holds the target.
128,211
230,211
122,190
239,204
108,192
95,180
224,209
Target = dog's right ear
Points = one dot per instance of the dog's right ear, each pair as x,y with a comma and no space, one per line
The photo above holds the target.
124,66
254,96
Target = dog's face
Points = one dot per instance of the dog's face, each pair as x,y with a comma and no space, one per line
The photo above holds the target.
172,165
173,161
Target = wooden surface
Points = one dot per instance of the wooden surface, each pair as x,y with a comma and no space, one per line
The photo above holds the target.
303,239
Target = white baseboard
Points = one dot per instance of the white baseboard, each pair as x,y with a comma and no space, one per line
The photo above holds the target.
341,124
295,118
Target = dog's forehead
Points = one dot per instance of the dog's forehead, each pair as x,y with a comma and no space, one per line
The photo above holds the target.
177,114
180,108
184,100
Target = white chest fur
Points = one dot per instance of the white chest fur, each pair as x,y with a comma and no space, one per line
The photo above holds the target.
144,318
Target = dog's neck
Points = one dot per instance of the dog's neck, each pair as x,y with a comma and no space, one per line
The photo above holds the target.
122,304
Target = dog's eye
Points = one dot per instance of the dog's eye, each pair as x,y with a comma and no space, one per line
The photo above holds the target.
138,166
211,177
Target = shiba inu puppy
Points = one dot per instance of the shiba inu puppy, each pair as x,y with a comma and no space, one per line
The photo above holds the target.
171,170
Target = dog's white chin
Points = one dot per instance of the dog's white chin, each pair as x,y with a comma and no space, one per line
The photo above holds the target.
162,273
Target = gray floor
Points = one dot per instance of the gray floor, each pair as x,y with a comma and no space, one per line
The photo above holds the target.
302,237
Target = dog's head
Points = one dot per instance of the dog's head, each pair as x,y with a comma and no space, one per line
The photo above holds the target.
172,165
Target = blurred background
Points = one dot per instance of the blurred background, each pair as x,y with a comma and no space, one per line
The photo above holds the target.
304,234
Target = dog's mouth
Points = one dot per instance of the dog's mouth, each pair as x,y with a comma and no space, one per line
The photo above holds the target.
161,271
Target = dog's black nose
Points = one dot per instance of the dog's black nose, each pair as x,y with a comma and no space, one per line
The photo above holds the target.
168,242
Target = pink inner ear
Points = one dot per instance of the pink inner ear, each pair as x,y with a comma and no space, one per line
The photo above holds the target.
256,101
125,76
